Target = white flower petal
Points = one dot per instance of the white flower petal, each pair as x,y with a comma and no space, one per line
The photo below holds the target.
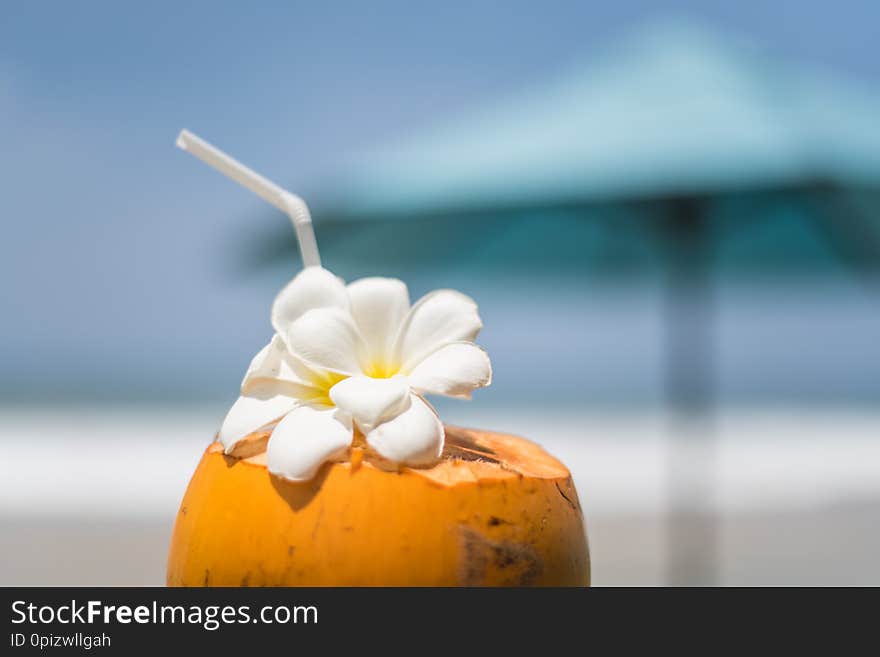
263,404
436,320
313,287
454,370
371,401
305,439
379,306
327,339
275,363
415,437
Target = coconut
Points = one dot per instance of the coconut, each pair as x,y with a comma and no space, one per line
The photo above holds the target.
496,510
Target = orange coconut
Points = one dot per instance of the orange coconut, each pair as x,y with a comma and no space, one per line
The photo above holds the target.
497,510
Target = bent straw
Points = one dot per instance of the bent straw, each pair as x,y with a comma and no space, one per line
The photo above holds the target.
290,204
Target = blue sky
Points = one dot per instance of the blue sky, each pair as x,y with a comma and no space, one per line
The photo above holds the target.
113,256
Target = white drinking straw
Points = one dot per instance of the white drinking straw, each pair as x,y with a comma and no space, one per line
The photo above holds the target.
291,204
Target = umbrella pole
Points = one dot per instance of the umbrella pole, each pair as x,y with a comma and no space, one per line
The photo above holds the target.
691,558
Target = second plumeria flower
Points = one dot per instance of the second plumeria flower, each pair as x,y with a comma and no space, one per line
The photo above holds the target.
357,356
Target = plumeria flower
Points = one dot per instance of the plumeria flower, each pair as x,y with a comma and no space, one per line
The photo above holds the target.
357,356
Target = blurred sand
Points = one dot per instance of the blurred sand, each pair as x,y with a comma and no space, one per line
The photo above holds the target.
88,497
830,546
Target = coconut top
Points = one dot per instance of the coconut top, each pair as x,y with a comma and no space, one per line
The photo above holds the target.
352,364
468,456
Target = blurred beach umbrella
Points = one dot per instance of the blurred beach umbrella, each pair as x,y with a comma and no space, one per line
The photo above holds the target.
665,128
672,113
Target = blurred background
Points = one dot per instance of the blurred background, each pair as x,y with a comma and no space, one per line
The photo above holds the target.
669,213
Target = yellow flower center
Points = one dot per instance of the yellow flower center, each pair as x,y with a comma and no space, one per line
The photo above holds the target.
381,369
